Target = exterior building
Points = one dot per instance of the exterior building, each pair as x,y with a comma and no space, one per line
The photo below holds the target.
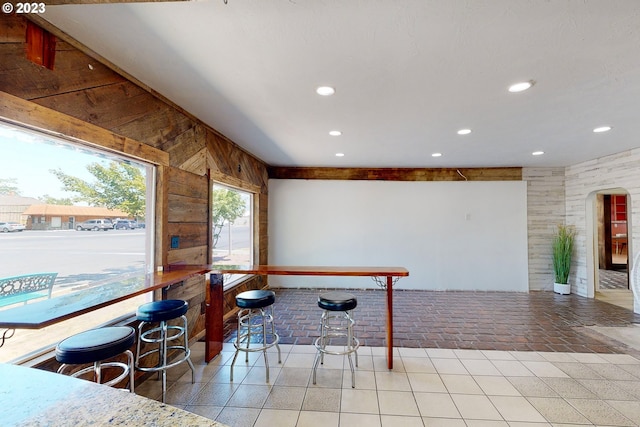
12,207
64,217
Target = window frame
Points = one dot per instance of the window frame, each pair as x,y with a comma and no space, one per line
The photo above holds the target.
19,113
233,280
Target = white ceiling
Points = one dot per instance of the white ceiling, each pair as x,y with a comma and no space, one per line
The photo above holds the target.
408,74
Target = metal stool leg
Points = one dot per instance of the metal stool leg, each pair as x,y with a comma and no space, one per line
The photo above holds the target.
187,350
162,349
250,323
342,328
163,345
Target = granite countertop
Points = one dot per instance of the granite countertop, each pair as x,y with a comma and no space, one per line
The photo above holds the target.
33,397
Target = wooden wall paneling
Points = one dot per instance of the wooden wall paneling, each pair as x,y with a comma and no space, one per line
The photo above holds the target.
26,113
161,221
222,155
191,234
186,145
186,209
234,164
398,174
159,126
187,184
73,72
195,255
13,29
261,232
196,163
189,290
123,108
187,217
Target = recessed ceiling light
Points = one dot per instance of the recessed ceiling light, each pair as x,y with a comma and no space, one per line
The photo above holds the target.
602,129
335,133
436,155
520,86
339,154
464,131
537,153
325,90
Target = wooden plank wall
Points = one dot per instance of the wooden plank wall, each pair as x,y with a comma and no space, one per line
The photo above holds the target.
103,97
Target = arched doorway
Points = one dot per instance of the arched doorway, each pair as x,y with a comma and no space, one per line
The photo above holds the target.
610,255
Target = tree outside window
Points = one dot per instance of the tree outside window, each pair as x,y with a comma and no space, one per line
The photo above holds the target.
232,226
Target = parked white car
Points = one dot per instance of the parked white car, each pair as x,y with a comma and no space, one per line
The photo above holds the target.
6,227
95,225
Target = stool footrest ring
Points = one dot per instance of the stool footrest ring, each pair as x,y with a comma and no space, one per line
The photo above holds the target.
350,349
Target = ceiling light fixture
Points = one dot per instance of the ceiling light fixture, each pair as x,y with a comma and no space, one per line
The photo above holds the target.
436,155
537,153
325,90
464,131
339,154
335,133
521,86
602,129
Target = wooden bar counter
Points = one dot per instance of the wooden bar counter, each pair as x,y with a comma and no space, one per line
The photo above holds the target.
32,397
48,312
384,277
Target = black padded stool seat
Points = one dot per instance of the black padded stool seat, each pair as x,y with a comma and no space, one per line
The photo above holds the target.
255,299
95,344
337,301
158,311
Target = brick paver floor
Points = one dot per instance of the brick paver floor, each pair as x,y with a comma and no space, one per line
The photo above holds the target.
537,321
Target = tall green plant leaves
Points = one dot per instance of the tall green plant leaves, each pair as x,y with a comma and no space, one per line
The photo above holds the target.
562,251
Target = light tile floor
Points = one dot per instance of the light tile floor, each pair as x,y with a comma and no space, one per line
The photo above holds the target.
427,387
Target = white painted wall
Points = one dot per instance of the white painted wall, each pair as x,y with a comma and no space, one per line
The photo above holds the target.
449,235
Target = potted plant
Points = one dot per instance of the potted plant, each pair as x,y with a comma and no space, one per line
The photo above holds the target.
562,252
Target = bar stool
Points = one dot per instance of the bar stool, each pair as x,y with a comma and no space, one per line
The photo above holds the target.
254,318
95,346
161,312
336,322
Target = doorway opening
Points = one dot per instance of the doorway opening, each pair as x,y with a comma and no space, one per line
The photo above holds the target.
611,255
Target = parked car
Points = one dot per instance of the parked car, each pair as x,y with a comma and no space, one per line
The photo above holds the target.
95,224
141,225
6,227
124,224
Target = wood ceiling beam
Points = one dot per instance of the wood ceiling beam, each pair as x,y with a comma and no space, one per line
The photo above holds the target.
399,174
63,2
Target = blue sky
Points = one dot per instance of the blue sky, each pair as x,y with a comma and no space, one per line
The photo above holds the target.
28,157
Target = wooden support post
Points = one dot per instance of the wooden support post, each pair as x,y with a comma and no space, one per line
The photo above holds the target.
213,317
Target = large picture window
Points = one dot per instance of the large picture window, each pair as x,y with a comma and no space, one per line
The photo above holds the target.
81,213
232,228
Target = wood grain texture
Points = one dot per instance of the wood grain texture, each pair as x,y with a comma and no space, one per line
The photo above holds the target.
315,270
25,113
398,174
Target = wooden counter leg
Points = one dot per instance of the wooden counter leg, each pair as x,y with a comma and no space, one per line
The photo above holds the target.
390,322
213,318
